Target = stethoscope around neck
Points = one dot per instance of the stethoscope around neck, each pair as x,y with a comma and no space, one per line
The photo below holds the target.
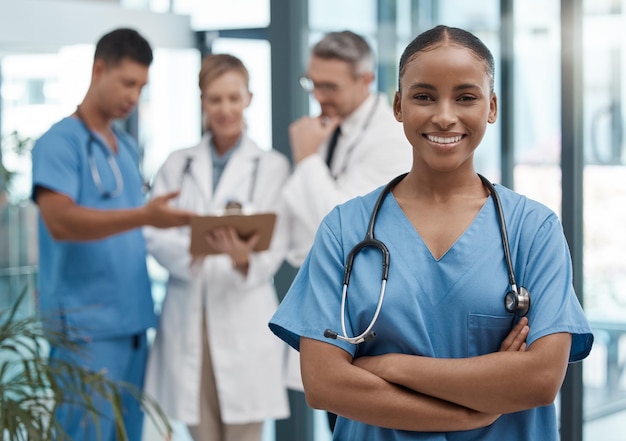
187,173
93,168
516,300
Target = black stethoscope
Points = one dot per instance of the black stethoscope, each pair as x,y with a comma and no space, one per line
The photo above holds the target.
516,300
93,168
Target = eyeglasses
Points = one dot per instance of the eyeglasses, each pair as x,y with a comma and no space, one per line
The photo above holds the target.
325,88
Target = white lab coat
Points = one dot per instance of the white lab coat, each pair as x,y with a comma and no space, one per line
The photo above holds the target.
248,360
371,151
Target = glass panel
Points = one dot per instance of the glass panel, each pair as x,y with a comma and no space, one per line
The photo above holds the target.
217,14
211,14
359,16
169,111
472,16
604,238
35,94
537,102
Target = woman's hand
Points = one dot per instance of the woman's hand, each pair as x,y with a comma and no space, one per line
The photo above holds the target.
226,240
516,340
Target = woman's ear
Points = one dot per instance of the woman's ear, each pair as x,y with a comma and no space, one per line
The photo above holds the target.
397,107
493,109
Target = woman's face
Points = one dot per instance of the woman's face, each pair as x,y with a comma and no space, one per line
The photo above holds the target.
224,100
444,104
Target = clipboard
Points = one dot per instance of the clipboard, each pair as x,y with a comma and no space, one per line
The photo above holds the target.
245,225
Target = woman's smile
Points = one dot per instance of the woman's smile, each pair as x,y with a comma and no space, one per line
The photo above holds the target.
444,139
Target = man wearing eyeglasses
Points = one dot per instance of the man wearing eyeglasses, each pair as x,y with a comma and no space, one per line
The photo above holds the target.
93,280
353,146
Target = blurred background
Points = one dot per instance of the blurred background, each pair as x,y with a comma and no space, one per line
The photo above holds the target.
559,139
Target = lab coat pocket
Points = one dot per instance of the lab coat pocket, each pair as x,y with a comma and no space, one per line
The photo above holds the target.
486,333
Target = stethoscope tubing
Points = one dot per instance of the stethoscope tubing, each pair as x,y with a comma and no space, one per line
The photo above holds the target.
93,168
95,174
187,172
372,242
503,230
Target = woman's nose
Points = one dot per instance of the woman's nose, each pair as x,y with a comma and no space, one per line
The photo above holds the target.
444,116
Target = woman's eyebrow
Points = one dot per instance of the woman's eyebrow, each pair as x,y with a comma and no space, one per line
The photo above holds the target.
422,86
428,86
466,86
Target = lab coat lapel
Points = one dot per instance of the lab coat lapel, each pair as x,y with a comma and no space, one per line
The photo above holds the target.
201,169
352,134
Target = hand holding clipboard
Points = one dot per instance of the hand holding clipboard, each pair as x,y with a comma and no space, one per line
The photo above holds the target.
245,225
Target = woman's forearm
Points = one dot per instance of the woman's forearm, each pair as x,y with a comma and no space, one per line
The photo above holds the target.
332,383
502,382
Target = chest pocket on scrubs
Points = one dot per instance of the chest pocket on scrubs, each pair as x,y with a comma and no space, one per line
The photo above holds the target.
486,333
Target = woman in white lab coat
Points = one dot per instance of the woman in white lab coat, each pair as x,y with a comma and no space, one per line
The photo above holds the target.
215,365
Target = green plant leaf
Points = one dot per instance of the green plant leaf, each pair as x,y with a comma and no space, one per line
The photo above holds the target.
32,387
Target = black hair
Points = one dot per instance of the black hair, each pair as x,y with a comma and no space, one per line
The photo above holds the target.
440,34
123,43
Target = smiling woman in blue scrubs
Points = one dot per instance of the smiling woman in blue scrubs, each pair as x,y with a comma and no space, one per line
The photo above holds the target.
449,361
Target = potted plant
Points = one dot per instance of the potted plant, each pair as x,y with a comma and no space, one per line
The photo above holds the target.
30,390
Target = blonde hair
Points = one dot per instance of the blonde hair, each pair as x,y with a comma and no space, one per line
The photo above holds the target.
215,65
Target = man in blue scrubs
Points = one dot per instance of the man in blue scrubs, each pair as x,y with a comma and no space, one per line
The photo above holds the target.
93,280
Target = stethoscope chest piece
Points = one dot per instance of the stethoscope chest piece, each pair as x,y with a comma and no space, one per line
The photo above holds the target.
517,301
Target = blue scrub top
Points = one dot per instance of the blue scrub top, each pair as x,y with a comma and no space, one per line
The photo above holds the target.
451,307
100,288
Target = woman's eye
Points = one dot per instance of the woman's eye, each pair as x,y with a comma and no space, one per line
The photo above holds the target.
421,97
467,98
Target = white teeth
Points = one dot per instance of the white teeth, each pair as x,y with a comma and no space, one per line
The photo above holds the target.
442,140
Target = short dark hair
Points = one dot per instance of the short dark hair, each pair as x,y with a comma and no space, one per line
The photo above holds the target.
123,43
440,34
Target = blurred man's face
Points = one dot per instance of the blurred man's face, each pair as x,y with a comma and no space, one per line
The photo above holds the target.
335,86
119,87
